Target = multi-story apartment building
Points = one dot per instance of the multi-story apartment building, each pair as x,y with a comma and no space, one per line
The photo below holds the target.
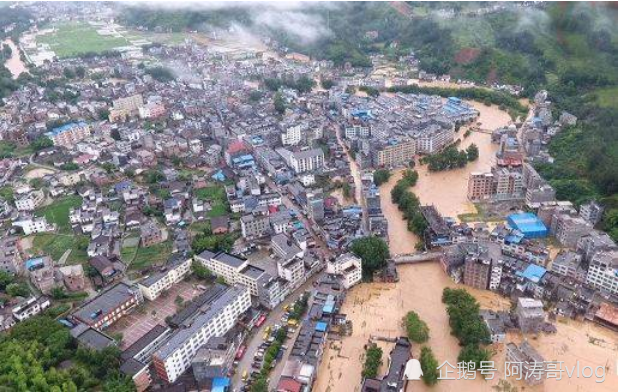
508,183
349,267
591,212
124,107
603,271
593,242
213,320
434,138
542,194
254,226
109,306
568,263
293,271
222,264
357,131
476,272
530,314
30,201
292,135
393,153
480,186
569,229
69,134
176,269
308,160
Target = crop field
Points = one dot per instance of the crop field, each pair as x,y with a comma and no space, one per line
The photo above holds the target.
72,39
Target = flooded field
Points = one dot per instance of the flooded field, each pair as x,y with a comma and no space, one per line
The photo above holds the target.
378,308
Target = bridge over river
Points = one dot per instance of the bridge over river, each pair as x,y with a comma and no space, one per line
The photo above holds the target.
413,258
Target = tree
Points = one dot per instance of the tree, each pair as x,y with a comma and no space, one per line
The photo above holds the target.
41,143
200,270
327,84
474,353
279,103
473,152
161,74
373,360
5,279
17,290
429,365
346,190
417,329
373,252
260,385
68,73
381,176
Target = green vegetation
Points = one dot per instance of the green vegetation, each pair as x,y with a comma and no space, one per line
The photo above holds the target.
7,193
299,308
200,271
74,39
261,382
303,84
215,195
451,158
54,245
467,325
373,252
373,360
152,255
429,366
206,240
58,212
31,354
409,203
381,176
161,74
417,329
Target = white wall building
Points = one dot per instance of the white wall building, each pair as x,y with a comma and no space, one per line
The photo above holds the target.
349,267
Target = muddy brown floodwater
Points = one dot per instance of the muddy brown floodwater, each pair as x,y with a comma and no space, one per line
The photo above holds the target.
14,64
378,308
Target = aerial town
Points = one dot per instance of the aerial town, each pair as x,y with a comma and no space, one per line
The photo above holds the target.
207,212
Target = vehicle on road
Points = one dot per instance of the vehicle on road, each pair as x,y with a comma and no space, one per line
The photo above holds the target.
240,352
245,375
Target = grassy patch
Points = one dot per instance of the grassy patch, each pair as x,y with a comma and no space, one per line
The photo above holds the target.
58,212
55,245
152,255
607,97
215,194
7,193
72,39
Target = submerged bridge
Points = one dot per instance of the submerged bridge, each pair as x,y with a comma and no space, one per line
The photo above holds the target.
413,258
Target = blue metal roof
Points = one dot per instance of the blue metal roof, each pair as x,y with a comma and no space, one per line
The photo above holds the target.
321,326
533,273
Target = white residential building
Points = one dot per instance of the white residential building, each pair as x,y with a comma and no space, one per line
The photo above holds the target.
603,271
30,307
292,135
30,201
31,225
214,320
175,271
349,267
308,160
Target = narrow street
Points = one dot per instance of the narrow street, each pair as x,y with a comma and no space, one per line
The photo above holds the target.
254,339
356,175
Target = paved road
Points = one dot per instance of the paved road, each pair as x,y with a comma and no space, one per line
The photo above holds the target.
254,340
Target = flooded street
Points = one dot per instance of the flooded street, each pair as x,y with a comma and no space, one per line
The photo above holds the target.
14,64
378,308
